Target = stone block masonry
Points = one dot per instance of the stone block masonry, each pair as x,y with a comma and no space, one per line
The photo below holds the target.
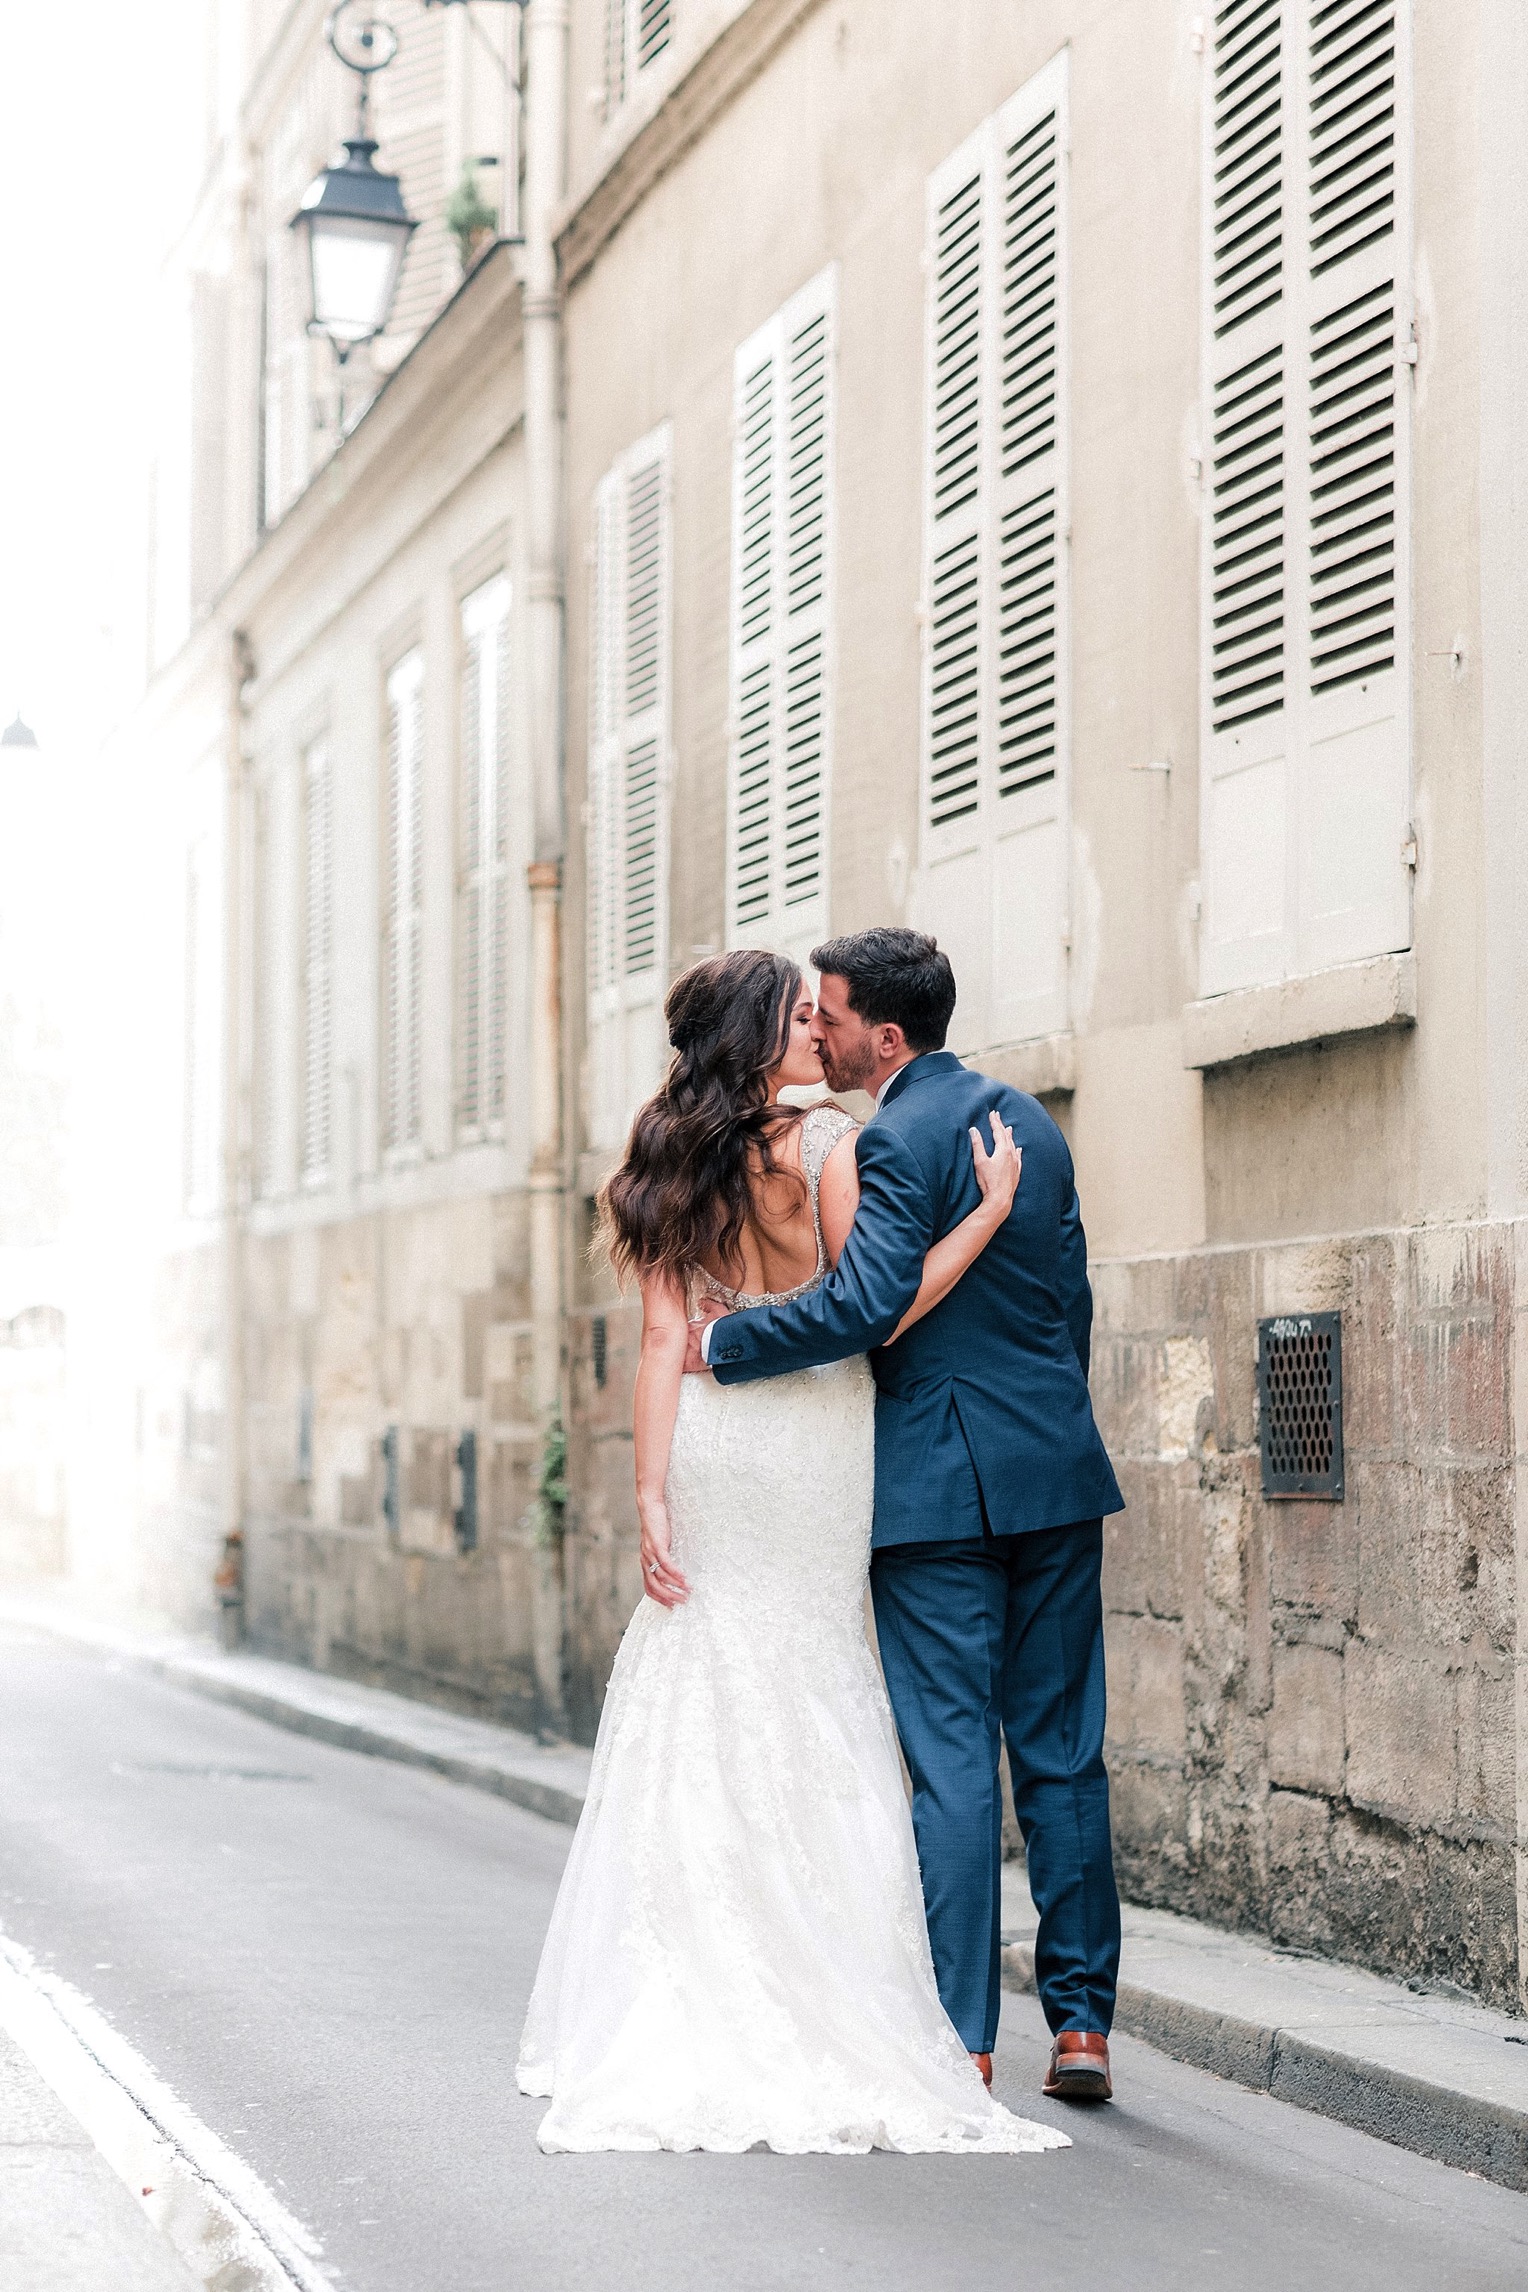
1318,1725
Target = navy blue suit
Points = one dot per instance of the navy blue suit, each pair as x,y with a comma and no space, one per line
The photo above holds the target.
990,1485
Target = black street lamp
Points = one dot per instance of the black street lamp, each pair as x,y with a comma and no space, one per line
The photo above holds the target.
353,222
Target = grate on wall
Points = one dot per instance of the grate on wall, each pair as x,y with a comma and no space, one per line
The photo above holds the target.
1299,1390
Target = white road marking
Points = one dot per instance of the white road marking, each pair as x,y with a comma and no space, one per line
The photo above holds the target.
217,2213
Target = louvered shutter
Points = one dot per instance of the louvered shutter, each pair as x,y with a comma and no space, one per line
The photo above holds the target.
267,1008
781,590
616,12
1306,325
636,34
403,887
314,1143
483,863
204,1025
993,880
627,873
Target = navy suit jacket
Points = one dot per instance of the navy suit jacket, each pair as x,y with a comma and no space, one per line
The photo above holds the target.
982,1408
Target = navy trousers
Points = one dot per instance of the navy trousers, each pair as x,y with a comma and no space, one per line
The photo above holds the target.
981,1640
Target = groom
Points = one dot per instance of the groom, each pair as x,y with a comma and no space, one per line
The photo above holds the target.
990,1486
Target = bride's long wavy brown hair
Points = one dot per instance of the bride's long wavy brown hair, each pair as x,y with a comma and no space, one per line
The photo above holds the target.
698,1147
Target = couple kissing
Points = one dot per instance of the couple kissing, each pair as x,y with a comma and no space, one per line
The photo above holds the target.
864,1358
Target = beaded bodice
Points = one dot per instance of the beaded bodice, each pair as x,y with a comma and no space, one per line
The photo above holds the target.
821,1129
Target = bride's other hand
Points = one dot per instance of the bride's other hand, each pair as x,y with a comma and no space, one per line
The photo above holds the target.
997,1173
661,1580
711,1309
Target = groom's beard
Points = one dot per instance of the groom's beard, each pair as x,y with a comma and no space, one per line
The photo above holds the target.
850,1069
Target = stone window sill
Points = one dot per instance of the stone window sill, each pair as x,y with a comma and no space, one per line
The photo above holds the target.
1045,1067
1353,999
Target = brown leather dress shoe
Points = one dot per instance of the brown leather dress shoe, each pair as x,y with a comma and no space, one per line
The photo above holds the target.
984,2064
1079,2067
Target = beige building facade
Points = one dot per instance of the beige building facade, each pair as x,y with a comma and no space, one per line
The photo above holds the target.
1055,482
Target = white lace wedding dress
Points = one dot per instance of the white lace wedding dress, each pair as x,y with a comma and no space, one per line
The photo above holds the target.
738,1954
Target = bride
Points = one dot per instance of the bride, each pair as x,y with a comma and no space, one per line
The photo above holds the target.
738,1955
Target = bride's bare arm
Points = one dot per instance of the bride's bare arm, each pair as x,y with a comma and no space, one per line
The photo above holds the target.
997,1174
659,1373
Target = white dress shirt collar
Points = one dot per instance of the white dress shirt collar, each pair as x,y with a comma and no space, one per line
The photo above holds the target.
890,1079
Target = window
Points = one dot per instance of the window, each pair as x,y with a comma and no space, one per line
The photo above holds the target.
1307,326
627,873
993,878
203,1029
402,908
482,937
636,34
781,591
269,1044
316,1123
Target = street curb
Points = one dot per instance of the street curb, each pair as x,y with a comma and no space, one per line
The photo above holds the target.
1430,2120
349,1735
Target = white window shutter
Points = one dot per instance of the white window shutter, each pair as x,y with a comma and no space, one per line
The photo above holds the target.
996,739
1305,725
482,939
636,34
629,758
403,893
267,1015
777,872
652,30
1355,887
616,15
316,1128
203,1067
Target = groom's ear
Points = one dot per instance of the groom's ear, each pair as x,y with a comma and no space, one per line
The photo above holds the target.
890,1041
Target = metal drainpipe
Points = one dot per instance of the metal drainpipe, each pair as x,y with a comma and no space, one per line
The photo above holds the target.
235,1159
546,69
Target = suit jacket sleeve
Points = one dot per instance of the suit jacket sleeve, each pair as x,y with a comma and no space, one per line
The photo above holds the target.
1076,1294
866,1295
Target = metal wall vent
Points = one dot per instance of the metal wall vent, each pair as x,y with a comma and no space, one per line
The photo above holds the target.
1299,1390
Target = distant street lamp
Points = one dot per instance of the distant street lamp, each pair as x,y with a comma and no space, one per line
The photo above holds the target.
18,735
353,222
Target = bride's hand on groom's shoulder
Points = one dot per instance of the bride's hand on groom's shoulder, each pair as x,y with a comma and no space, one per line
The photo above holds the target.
997,1173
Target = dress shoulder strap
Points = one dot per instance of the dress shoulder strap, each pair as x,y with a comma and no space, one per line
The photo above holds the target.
821,1129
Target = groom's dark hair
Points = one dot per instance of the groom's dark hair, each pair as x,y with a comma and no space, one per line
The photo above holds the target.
895,978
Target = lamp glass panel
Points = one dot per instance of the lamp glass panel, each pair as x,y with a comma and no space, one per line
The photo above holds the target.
355,269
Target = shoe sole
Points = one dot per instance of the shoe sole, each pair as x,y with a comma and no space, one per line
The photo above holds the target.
1078,2085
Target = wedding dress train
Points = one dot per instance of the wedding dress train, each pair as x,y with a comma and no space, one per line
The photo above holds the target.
738,1953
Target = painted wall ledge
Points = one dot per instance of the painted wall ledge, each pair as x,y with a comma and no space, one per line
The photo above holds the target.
1046,1067
1353,999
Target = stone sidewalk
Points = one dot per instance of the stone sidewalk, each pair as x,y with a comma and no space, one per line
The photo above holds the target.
1428,2072
1425,2071
67,2223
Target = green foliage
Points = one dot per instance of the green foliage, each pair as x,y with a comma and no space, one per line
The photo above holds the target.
552,1488
468,215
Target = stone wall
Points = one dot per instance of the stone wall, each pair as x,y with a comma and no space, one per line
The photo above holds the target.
416,1321
1312,1727
33,1445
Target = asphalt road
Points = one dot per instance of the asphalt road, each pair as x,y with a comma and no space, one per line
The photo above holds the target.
327,1956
